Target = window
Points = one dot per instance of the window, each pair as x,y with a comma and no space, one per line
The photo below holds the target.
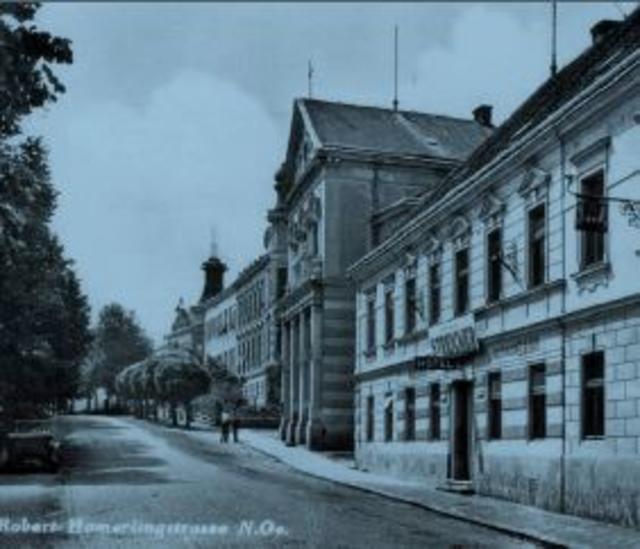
593,394
410,305
371,322
462,281
410,413
536,246
434,411
281,281
388,315
434,293
537,402
495,406
370,418
388,417
315,246
494,265
592,219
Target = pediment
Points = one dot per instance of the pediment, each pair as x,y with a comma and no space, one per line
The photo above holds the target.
490,206
534,181
460,227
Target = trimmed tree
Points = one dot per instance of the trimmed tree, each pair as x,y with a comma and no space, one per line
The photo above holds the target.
179,378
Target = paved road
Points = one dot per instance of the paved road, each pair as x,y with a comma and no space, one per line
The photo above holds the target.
128,483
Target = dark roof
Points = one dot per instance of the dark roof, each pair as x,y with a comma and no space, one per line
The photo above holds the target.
555,92
249,271
393,132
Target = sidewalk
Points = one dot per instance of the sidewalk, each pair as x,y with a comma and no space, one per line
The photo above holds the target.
523,521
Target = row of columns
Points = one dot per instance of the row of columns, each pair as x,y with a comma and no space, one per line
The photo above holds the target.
301,378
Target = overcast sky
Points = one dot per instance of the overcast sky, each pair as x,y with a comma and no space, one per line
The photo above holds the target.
177,115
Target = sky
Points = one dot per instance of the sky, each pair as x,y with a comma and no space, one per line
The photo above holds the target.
176,115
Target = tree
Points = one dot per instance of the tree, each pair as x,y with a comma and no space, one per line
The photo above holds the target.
44,315
119,341
26,54
179,378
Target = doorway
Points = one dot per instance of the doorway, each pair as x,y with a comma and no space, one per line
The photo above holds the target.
462,393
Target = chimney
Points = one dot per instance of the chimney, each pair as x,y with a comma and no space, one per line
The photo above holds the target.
213,277
482,115
602,28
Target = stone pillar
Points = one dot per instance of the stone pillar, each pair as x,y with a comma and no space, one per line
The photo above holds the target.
284,381
315,427
303,414
294,383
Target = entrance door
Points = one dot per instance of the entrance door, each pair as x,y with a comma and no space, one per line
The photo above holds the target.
461,441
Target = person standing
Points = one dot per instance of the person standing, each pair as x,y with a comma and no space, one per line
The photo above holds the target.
235,425
224,424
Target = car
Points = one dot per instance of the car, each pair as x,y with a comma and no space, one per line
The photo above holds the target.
22,444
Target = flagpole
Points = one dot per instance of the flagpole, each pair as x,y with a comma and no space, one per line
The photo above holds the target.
395,68
554,37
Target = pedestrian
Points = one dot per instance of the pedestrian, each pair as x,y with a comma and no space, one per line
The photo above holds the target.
224,424
235,425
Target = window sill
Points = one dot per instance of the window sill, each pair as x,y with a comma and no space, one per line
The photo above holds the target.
412,336
529,294
593,438
369,355
389,345
591,277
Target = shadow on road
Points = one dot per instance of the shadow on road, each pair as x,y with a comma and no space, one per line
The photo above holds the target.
97,454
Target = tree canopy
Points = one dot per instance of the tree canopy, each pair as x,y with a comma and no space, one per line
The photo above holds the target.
119,341
44,315
27,80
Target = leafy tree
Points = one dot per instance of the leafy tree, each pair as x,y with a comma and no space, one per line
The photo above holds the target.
179,378
26,54
119,341
44,315
226,387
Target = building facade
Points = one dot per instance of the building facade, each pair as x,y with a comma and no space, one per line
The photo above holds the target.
255,333
221,330
498,330
344,165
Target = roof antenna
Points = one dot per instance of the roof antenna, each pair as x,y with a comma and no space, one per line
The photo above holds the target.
310,79
554,37
395,68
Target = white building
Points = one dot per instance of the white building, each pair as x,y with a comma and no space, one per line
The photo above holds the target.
498,331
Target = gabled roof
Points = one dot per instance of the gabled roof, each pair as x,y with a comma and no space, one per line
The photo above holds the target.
554,93
366,128
609,52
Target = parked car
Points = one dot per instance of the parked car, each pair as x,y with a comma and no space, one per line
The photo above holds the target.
28,442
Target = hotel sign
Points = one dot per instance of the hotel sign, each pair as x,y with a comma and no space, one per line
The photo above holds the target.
454,339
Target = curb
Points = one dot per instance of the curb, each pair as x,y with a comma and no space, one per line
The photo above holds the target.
450,513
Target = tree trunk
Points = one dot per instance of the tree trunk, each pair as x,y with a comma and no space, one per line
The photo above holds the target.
174,415
188,413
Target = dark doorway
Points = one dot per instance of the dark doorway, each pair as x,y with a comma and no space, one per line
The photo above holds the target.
462,392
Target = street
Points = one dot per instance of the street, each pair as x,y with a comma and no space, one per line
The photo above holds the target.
129,483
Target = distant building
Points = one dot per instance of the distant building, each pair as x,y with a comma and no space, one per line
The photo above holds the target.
186,329
220,327
498,329
348,175
256,332
240,330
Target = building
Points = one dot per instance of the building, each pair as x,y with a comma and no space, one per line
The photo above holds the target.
240,326
256,334
221,324
498,330
188,327
348,175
